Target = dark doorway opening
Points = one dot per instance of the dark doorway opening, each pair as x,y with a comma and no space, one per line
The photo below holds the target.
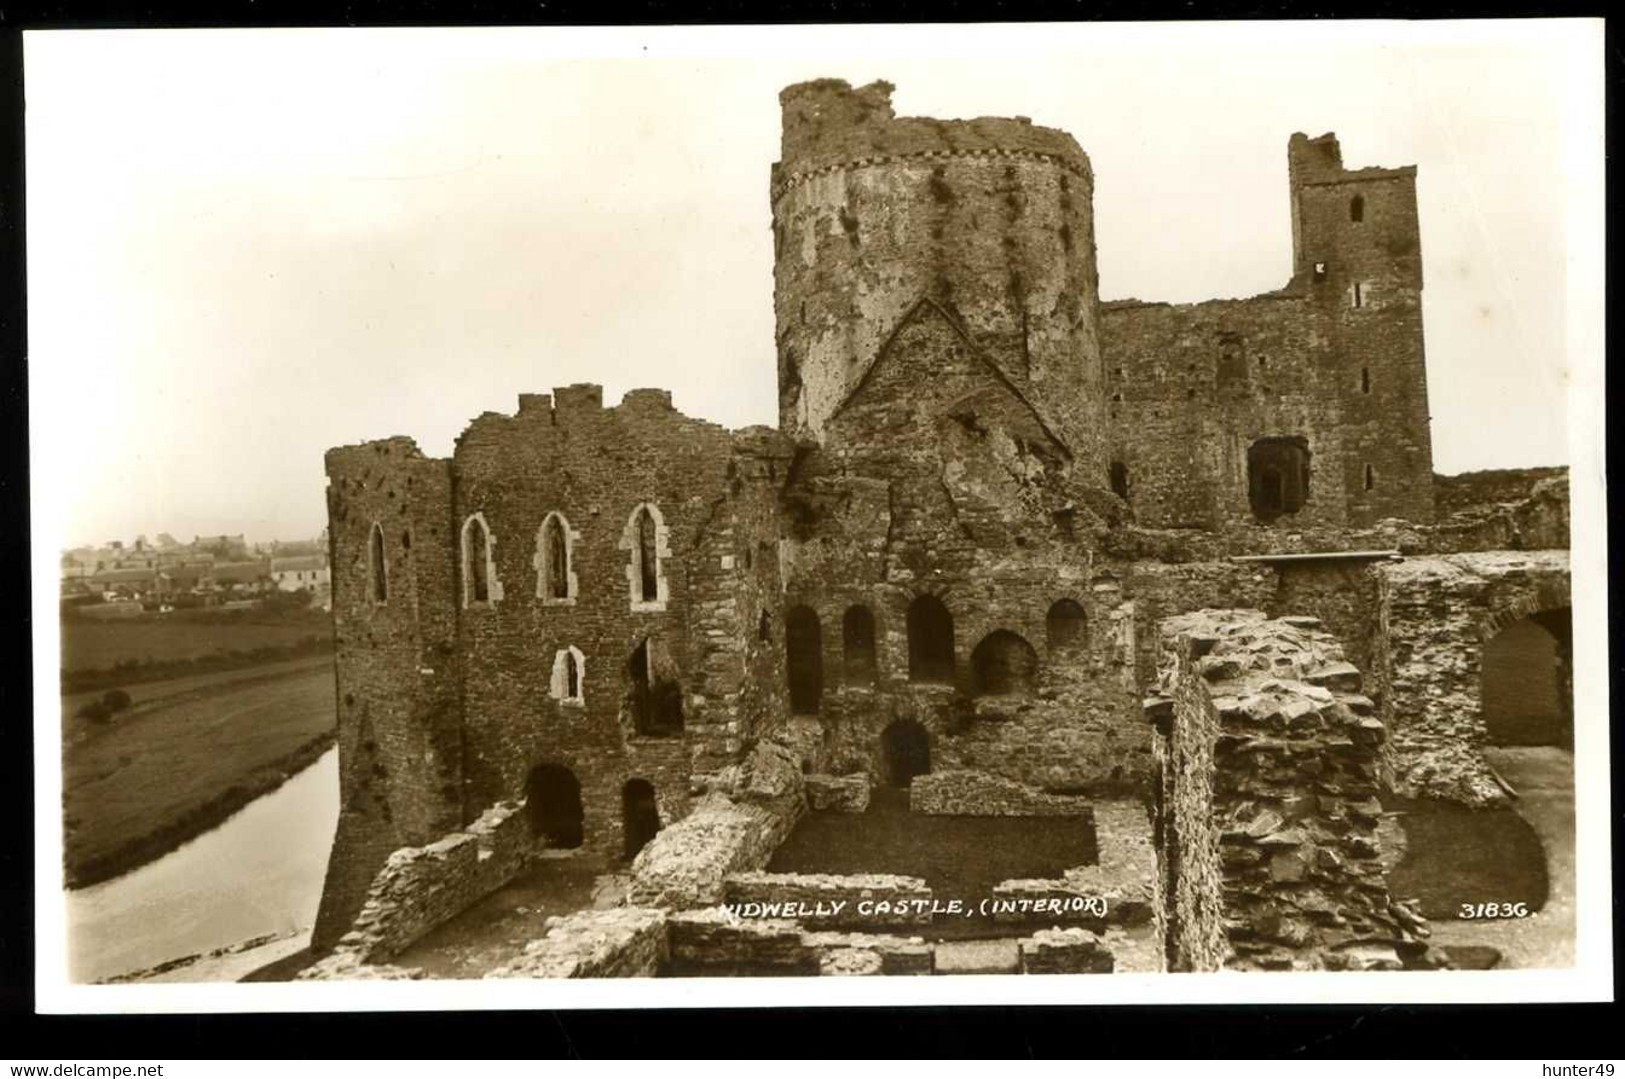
640,816
930,641
1003,663
553,804
1525,682
656,696
906,748
804,660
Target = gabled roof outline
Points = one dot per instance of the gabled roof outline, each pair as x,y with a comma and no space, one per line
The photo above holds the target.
976,351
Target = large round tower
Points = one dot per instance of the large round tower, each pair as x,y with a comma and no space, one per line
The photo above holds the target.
990,219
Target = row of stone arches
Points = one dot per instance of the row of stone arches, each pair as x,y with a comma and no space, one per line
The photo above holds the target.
554,809
1002,663
645,539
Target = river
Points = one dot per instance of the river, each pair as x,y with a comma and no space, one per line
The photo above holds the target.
259,872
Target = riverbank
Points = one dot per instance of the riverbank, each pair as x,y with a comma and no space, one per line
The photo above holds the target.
187,754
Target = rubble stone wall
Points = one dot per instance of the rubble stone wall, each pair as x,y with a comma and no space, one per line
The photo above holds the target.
421,887
977,794
1436,615
1272,756
623,942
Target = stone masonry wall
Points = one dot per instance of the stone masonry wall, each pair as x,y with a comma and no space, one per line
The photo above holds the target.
596,466
1273,759
421,887
623,942
398,681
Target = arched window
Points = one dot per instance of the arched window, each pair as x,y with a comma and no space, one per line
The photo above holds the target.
1119,478
930,640
480,583
1003,663
569,676
1066,625
555,577
656,698
804,660
858,646
647,545
1357,208
378,571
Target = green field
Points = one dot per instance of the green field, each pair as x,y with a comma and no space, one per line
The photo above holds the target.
188,753
99,644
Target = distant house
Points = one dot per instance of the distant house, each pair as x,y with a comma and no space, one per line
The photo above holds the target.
301,573
242,577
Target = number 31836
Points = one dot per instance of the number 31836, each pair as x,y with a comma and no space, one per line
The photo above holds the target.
1494,910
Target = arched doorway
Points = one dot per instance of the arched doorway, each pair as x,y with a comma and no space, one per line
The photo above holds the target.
906,749
1525,680
640,816
553,804
1003,663
804,660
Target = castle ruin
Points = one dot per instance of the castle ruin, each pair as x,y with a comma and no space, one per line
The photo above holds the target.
1011,548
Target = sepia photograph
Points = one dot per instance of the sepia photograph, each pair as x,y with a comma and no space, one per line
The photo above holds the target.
663,516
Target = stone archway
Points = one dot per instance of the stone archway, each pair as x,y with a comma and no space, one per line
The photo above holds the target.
1525,682
553,804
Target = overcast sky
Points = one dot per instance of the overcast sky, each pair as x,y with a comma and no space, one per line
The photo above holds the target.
245,247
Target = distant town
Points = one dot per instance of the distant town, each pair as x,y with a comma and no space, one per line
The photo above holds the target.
164,574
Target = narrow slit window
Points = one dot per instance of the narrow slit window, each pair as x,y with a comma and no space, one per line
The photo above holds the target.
1365,380
1357,209
1359,298
1370,477
375,559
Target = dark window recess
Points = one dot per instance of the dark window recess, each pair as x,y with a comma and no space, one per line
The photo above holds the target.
648,572
375,559
1119,478
656,698
1359,296
553,804
640,815
572,676
930,641
1277,476
905,749
1003,663
1365,380
1357,208
558,560
1370,477
858,646
1066,625
475,557
804,660
764,631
